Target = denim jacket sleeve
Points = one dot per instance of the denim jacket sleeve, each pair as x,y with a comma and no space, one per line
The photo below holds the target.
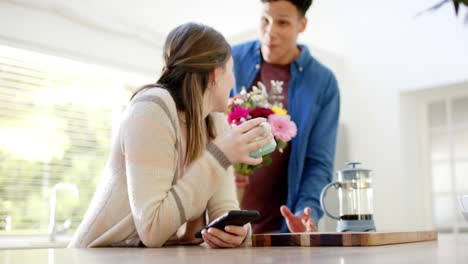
320,152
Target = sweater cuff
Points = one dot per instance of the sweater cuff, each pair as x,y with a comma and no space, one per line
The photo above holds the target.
218,154
248,238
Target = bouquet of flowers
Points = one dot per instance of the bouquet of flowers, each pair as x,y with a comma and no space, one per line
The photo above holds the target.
258,103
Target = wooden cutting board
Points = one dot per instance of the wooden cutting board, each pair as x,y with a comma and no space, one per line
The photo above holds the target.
348,239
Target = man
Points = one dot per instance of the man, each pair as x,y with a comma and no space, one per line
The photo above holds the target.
310,93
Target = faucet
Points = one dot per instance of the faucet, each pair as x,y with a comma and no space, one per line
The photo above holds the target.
53,206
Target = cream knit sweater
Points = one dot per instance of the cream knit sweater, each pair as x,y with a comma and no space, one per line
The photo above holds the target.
146,194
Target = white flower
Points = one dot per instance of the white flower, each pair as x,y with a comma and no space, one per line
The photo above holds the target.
264,104
238,101
255,89
263,88
276,87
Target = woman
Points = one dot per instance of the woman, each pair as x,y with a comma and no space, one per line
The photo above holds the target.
169,167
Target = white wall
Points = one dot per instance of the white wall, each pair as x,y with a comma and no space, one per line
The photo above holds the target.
58,32
123,33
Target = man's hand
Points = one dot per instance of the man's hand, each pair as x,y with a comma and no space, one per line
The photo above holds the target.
242,181
299,223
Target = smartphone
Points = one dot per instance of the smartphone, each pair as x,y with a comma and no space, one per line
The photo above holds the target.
234,217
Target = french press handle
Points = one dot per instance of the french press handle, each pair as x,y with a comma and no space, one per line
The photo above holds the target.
336,185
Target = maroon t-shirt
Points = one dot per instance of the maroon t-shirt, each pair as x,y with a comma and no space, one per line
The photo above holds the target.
268,186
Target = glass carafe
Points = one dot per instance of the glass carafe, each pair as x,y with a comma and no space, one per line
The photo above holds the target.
355,199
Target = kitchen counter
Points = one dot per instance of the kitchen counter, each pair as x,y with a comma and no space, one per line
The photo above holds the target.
448,249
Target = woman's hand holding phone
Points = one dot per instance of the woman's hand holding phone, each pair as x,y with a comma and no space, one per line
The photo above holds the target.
231,236
228,230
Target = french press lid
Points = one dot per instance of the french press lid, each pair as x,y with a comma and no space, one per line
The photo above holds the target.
353,173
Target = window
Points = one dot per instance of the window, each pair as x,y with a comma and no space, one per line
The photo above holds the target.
56,118
448,141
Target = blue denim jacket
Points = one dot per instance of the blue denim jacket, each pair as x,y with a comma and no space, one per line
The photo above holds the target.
314,105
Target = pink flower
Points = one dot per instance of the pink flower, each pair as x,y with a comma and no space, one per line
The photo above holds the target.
282,127
260,112
237,114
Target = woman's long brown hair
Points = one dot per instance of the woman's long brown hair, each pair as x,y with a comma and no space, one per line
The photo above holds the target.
191,52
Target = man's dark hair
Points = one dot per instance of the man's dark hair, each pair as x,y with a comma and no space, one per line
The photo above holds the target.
301,5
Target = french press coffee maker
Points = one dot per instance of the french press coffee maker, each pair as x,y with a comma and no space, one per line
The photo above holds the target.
355,199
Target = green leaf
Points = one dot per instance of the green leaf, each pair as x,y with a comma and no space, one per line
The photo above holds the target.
281,144
257,166
243,169
456,4
267,160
